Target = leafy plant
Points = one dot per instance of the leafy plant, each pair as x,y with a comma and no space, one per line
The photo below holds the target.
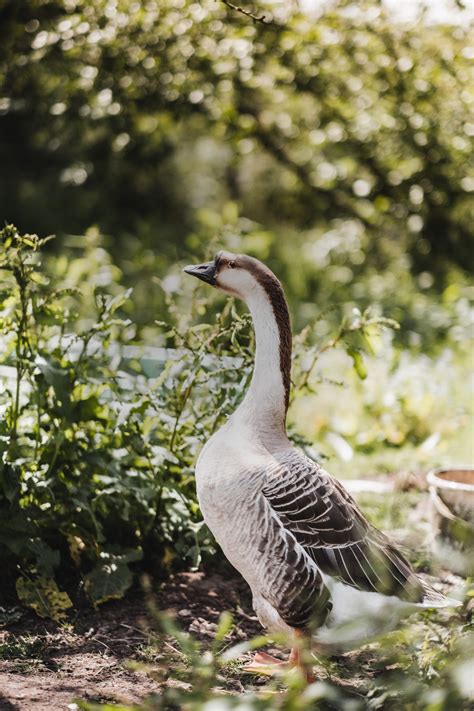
99,437
98,443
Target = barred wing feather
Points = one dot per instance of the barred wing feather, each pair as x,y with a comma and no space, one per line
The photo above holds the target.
328,524
289,579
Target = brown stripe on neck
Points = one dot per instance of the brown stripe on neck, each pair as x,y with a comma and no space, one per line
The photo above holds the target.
276,295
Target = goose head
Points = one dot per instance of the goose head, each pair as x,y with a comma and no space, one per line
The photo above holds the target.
235,274
252,281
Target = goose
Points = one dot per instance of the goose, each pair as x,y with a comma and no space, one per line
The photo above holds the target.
317,569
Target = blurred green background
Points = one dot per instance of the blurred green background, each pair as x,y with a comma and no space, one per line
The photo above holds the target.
334,144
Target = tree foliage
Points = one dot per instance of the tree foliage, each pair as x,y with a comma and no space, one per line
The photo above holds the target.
135,116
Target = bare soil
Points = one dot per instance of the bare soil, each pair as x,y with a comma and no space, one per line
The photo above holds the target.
114,654
46,666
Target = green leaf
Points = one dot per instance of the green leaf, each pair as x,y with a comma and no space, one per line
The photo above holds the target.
107,581
43,596
111,577
39,278
57,377
10,477
89,409
16,531
358,361
224,627
46,558
115,302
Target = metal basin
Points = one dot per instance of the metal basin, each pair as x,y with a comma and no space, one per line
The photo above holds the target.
455,488
452,498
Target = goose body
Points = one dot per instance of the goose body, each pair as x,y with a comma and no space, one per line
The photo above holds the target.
294,533
275,516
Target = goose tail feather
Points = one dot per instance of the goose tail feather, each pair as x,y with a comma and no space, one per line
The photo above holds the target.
434,599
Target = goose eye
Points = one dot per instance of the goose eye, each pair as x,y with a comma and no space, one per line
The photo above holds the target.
231,265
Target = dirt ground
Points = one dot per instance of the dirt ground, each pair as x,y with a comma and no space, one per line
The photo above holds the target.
45,666
113,654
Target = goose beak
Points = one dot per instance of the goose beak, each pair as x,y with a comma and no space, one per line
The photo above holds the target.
206,272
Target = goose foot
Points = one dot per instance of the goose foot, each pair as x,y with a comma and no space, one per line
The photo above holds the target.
263,663
266,665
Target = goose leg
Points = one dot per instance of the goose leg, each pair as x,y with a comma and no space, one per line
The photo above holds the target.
296,659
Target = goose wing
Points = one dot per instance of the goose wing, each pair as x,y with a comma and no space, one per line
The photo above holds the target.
328,524
288,577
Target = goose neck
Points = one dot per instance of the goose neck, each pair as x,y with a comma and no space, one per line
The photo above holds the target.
266,402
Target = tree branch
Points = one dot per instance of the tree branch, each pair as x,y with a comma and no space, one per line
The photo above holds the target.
247,13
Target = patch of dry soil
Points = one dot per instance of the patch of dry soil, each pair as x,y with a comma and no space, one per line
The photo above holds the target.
45,666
